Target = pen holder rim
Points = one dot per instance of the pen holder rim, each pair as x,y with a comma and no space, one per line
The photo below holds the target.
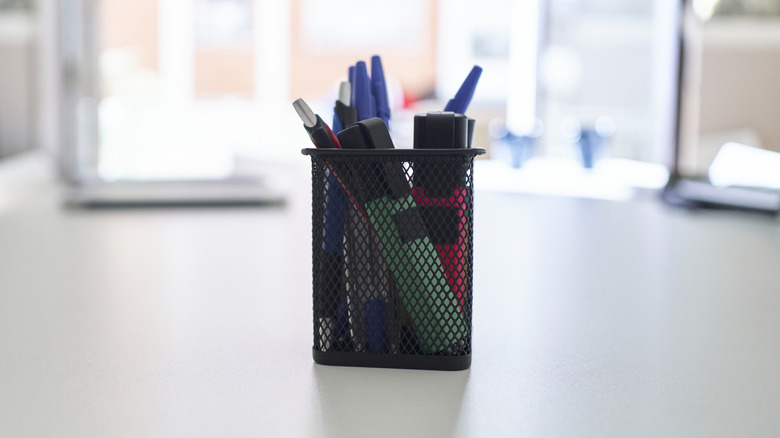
393,152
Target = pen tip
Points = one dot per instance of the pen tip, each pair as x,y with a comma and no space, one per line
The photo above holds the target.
305,113
475,73
377,72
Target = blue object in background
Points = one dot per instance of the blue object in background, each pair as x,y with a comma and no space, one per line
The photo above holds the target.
520,148
590,143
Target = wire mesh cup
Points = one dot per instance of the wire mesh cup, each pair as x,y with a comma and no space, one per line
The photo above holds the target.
392,254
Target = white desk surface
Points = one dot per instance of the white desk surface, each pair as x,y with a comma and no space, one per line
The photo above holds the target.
591,318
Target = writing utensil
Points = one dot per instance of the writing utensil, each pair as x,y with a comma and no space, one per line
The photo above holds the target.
336,120
379,90
367,105
354,315
337,125
472,124
350,317
345,113
351,77
345,92
361,92
367,278
462,99
333,331
414,263
318,130
322,137
370,292
440,192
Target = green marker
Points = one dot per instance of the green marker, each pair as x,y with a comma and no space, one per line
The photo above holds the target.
418,273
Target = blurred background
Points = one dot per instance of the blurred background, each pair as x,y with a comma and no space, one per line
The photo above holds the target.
594,98
599,309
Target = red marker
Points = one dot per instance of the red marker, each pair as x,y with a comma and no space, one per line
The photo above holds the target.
439,191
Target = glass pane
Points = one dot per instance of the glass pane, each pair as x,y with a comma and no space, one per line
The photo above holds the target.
187,86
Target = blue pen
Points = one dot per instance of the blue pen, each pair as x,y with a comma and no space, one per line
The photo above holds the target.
332,334
460,102
351,77
336,122
379,89
361,93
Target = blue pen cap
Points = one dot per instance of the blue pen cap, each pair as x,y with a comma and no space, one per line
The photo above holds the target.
462,99
361,92
379,89
351,76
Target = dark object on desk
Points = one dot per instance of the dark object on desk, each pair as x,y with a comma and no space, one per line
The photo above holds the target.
701,194
414,319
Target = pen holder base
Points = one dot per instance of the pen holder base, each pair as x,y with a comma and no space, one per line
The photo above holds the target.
405,361
392,254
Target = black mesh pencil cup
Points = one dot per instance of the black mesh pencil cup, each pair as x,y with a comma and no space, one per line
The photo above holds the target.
392,255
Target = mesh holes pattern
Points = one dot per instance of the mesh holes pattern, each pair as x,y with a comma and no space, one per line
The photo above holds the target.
392,253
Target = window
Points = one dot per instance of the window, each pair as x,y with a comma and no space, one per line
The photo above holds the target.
184,89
